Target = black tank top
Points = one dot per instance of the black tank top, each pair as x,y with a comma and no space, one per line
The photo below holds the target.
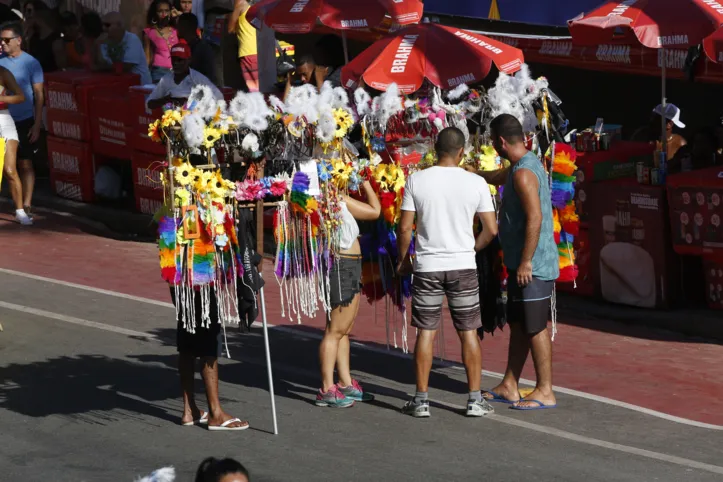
42,49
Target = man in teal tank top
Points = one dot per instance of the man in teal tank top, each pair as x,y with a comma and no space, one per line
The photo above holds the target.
530,255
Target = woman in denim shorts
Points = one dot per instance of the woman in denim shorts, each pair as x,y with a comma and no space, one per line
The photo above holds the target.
345,287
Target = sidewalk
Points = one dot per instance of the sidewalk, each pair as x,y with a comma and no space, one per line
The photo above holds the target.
126,225
651,368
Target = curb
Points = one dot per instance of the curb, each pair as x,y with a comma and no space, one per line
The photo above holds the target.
696,323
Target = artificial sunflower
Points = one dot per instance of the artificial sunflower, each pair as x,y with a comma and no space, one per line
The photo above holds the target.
229,185
341,171
184,174
381,175
205,182
218,187
170,118
343,122
210,136
154,131
343,118
183,197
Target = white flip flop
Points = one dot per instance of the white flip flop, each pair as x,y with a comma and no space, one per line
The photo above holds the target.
201,421
225,425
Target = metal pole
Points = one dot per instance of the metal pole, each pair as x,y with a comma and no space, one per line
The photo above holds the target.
346,47
663,123
268,360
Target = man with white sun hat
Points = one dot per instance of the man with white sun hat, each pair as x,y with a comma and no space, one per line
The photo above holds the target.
671,113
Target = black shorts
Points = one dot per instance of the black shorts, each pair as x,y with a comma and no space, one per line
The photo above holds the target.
529,305
345,279
26,150
205,342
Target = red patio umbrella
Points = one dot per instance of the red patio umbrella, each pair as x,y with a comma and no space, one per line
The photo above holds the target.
303,16
446,56
656,24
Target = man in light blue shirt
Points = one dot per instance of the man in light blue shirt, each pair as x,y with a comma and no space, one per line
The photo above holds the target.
28,115
133,58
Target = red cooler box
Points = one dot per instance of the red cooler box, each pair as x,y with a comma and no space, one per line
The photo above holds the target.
714,282
110,123
71,90
632,261
148,200
68,125
696,209
71,187
147,170
617,163
147,186
141,116
71,169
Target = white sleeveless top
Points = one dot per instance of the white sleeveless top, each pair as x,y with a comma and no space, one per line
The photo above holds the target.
349,228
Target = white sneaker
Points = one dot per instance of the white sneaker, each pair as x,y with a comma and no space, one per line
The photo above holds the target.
479,409
22,217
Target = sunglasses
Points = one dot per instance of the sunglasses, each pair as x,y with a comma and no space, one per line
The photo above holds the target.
6,40
107,25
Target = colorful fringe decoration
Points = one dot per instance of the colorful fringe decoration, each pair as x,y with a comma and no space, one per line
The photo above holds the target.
566,223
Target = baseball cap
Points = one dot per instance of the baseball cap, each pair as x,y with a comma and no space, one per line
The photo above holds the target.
181,50
672,113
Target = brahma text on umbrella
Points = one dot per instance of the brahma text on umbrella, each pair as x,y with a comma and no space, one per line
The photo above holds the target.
672,40
619,54
353,23
620,9
557,48
674,59
299,6
462,79
399,65
471,39
714,5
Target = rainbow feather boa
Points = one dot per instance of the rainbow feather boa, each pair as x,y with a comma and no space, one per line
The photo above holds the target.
565,219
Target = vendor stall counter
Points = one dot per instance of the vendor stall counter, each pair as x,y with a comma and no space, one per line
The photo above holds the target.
632,261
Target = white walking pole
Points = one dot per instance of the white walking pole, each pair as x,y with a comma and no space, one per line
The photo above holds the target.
268,360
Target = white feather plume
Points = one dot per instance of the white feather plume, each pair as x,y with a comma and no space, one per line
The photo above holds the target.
250,110
326,126
203,101
514,95
340,99
166,474
363,100
457,92
302,102
277,104
192,126
390,104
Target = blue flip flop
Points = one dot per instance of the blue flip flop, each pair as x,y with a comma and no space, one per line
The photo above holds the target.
497,398
541,406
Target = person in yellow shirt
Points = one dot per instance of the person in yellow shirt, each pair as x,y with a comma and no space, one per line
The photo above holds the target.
246,34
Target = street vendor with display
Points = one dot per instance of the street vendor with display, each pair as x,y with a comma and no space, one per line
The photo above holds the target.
175,87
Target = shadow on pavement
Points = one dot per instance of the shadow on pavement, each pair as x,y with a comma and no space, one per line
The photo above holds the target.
87,387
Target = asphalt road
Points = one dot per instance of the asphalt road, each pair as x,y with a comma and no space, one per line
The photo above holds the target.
89,392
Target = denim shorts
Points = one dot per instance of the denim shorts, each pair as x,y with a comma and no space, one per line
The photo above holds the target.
345,279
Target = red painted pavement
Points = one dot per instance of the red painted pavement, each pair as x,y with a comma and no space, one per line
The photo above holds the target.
659,371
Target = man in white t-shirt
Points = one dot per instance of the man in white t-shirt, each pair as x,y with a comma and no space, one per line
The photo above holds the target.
445,199
175,87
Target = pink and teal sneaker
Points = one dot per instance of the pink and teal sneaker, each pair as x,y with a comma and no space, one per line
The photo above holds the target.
355,392
333,398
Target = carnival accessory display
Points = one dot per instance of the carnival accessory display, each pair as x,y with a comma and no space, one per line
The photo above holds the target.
303,143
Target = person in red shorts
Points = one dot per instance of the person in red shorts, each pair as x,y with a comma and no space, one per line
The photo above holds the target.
247,53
